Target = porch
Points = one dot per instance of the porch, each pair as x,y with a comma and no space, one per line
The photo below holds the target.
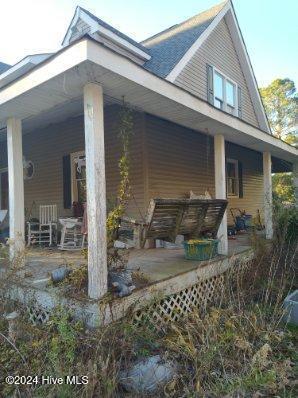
154,265
81,81
161,275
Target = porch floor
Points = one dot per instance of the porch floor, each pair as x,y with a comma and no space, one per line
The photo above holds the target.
152,265
159,264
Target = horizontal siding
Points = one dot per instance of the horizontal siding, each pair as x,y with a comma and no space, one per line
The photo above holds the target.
179,160
113,151
252,180
219,51
46,148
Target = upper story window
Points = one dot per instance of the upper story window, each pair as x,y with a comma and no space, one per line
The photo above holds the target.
225,90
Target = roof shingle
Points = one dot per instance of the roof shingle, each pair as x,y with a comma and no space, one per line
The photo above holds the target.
169,46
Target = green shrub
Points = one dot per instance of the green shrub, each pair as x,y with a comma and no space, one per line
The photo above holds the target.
286,223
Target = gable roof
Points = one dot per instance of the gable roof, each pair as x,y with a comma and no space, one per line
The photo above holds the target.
99,26
169,46
223,10
24,65
114,30
3,67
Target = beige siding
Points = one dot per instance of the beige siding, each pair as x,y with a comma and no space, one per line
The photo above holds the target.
113,148
252,180
179,160
218,50
167,160
46,148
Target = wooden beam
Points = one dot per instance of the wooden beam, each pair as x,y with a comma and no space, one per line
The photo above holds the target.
267,179
16,190
96,190
220,189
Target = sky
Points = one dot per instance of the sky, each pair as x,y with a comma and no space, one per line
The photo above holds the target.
269,27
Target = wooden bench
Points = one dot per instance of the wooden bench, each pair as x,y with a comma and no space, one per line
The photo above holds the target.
167,218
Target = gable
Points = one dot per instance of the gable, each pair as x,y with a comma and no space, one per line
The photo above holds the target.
79,29
83,22
219,51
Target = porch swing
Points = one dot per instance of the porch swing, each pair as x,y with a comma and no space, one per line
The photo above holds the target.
167,218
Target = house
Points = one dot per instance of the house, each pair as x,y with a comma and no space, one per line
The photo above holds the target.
199,124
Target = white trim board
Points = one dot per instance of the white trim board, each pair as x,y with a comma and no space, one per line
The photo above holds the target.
21,67
231,19
98,28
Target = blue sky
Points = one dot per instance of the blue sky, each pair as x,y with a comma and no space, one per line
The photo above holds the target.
269,27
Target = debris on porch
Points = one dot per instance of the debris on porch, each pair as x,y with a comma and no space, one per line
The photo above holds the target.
161,275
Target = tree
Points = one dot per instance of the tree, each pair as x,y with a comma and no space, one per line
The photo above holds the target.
283,187
281,104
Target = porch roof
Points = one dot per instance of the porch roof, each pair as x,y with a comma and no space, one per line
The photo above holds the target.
55,86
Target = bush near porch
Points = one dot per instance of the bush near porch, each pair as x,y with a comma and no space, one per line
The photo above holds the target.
239,349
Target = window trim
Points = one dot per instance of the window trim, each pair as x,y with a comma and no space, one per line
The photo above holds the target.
74,189
236,163
224,101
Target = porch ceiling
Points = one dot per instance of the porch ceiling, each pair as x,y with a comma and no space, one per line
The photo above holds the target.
52,92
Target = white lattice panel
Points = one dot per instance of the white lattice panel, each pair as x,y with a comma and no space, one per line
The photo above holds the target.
198,296
173,307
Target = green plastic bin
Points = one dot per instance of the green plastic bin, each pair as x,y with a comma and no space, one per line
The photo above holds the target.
202,250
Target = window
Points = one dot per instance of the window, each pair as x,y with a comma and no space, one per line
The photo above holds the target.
218,90
232,178
78,176
224,93
3,189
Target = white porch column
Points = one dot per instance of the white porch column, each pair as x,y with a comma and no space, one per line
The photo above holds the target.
16,189
96,190
267,194
295,181
220,188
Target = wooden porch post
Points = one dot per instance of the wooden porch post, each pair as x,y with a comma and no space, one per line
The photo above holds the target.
96,190
267,194
16,190
220,188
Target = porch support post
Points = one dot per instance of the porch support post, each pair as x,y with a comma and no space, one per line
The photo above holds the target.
295,181
220,188
267,195
96,190
16,190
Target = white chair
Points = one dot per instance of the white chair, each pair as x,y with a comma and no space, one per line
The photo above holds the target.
42,232
72,237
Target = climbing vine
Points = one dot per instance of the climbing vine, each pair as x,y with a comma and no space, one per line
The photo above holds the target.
124,190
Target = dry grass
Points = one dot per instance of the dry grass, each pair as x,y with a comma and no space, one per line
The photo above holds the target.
241,348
